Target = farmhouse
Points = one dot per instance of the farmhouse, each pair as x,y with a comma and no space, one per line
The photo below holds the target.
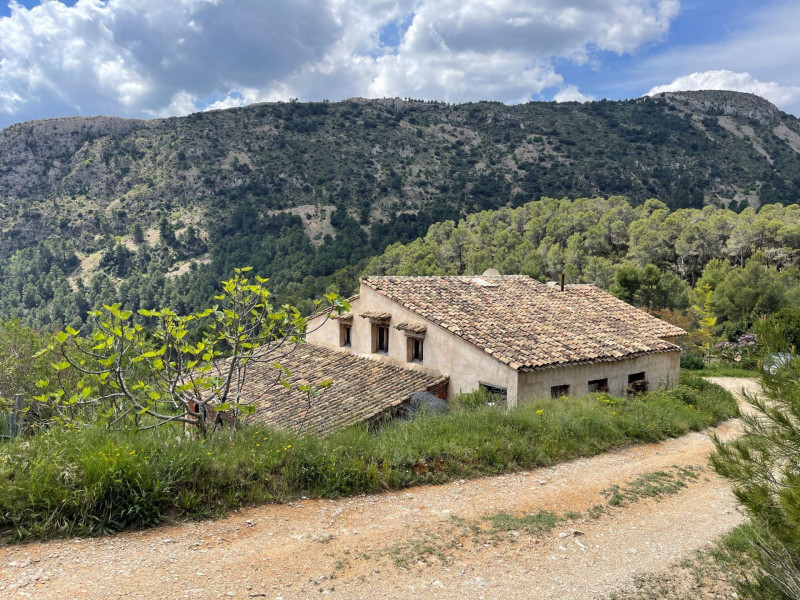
509,334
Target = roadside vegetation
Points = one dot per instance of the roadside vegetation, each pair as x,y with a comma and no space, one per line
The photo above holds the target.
93,481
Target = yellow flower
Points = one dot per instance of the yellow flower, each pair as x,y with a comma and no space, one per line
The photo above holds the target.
540,411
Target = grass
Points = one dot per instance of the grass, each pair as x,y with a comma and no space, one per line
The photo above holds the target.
725,371
501,527
94,481
651,485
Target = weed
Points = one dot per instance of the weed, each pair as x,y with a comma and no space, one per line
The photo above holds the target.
651,485
94,481
534,523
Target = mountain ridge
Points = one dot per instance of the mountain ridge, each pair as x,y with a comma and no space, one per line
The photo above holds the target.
103,209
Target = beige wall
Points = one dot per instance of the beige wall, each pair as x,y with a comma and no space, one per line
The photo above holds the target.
443,352
468,367
660,370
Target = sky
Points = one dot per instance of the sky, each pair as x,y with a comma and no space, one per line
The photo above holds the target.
158,58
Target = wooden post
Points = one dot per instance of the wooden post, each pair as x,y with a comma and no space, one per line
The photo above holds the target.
16,422
562,282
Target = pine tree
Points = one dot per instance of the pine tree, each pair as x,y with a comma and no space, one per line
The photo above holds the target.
764,466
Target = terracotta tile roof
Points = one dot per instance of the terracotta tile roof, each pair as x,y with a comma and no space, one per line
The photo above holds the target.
622,310
376,315
529,325
412,327
361,389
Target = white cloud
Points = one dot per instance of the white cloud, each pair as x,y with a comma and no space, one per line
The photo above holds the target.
151,57
766,46
571,93
780,95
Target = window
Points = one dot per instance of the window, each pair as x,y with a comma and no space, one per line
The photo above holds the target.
559,391
345,339
415,349
380,339
495,390
598,385
637,383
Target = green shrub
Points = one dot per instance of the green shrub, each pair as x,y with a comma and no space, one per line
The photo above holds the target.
691,361
92,481
762,465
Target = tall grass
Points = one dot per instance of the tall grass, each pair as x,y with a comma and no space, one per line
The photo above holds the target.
95,481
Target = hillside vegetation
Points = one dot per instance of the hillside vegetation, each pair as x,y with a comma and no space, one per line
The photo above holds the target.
746,263
150,213
120,479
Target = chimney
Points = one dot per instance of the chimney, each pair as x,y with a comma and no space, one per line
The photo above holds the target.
562,282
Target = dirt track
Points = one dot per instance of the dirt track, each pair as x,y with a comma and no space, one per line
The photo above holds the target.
407,544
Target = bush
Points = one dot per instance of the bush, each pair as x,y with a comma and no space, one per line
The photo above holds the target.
93,481
763,466
692,361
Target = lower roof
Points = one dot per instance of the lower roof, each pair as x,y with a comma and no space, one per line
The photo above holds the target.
361,388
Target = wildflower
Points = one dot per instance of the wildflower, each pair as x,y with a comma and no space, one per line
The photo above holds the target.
540,411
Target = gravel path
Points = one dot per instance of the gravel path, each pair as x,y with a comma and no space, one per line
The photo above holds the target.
407,544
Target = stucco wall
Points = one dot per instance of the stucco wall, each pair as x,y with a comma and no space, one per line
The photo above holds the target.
444,352
660,369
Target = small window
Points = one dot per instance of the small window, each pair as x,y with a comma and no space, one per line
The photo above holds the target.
598,385
637,383
495,390
559,391
415,349
380,341
345,339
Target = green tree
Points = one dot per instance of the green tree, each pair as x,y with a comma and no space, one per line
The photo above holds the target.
764,466
746,294
180,367
137,233
707,326
166,232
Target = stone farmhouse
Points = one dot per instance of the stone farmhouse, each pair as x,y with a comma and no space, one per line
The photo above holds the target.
509,334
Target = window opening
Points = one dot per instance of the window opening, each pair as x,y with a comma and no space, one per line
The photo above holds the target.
559,391
415,350
382,339
345,339
637,383
598,385
495,390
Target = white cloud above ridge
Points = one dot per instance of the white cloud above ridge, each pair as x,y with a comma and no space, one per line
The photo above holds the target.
765,45
153,58
722,79
571,93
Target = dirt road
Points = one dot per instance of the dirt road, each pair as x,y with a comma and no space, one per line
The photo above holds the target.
428,542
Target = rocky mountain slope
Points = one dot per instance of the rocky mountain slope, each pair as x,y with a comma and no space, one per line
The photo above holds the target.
148,213
383,159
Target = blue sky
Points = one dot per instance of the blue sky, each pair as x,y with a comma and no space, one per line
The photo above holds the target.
150,58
